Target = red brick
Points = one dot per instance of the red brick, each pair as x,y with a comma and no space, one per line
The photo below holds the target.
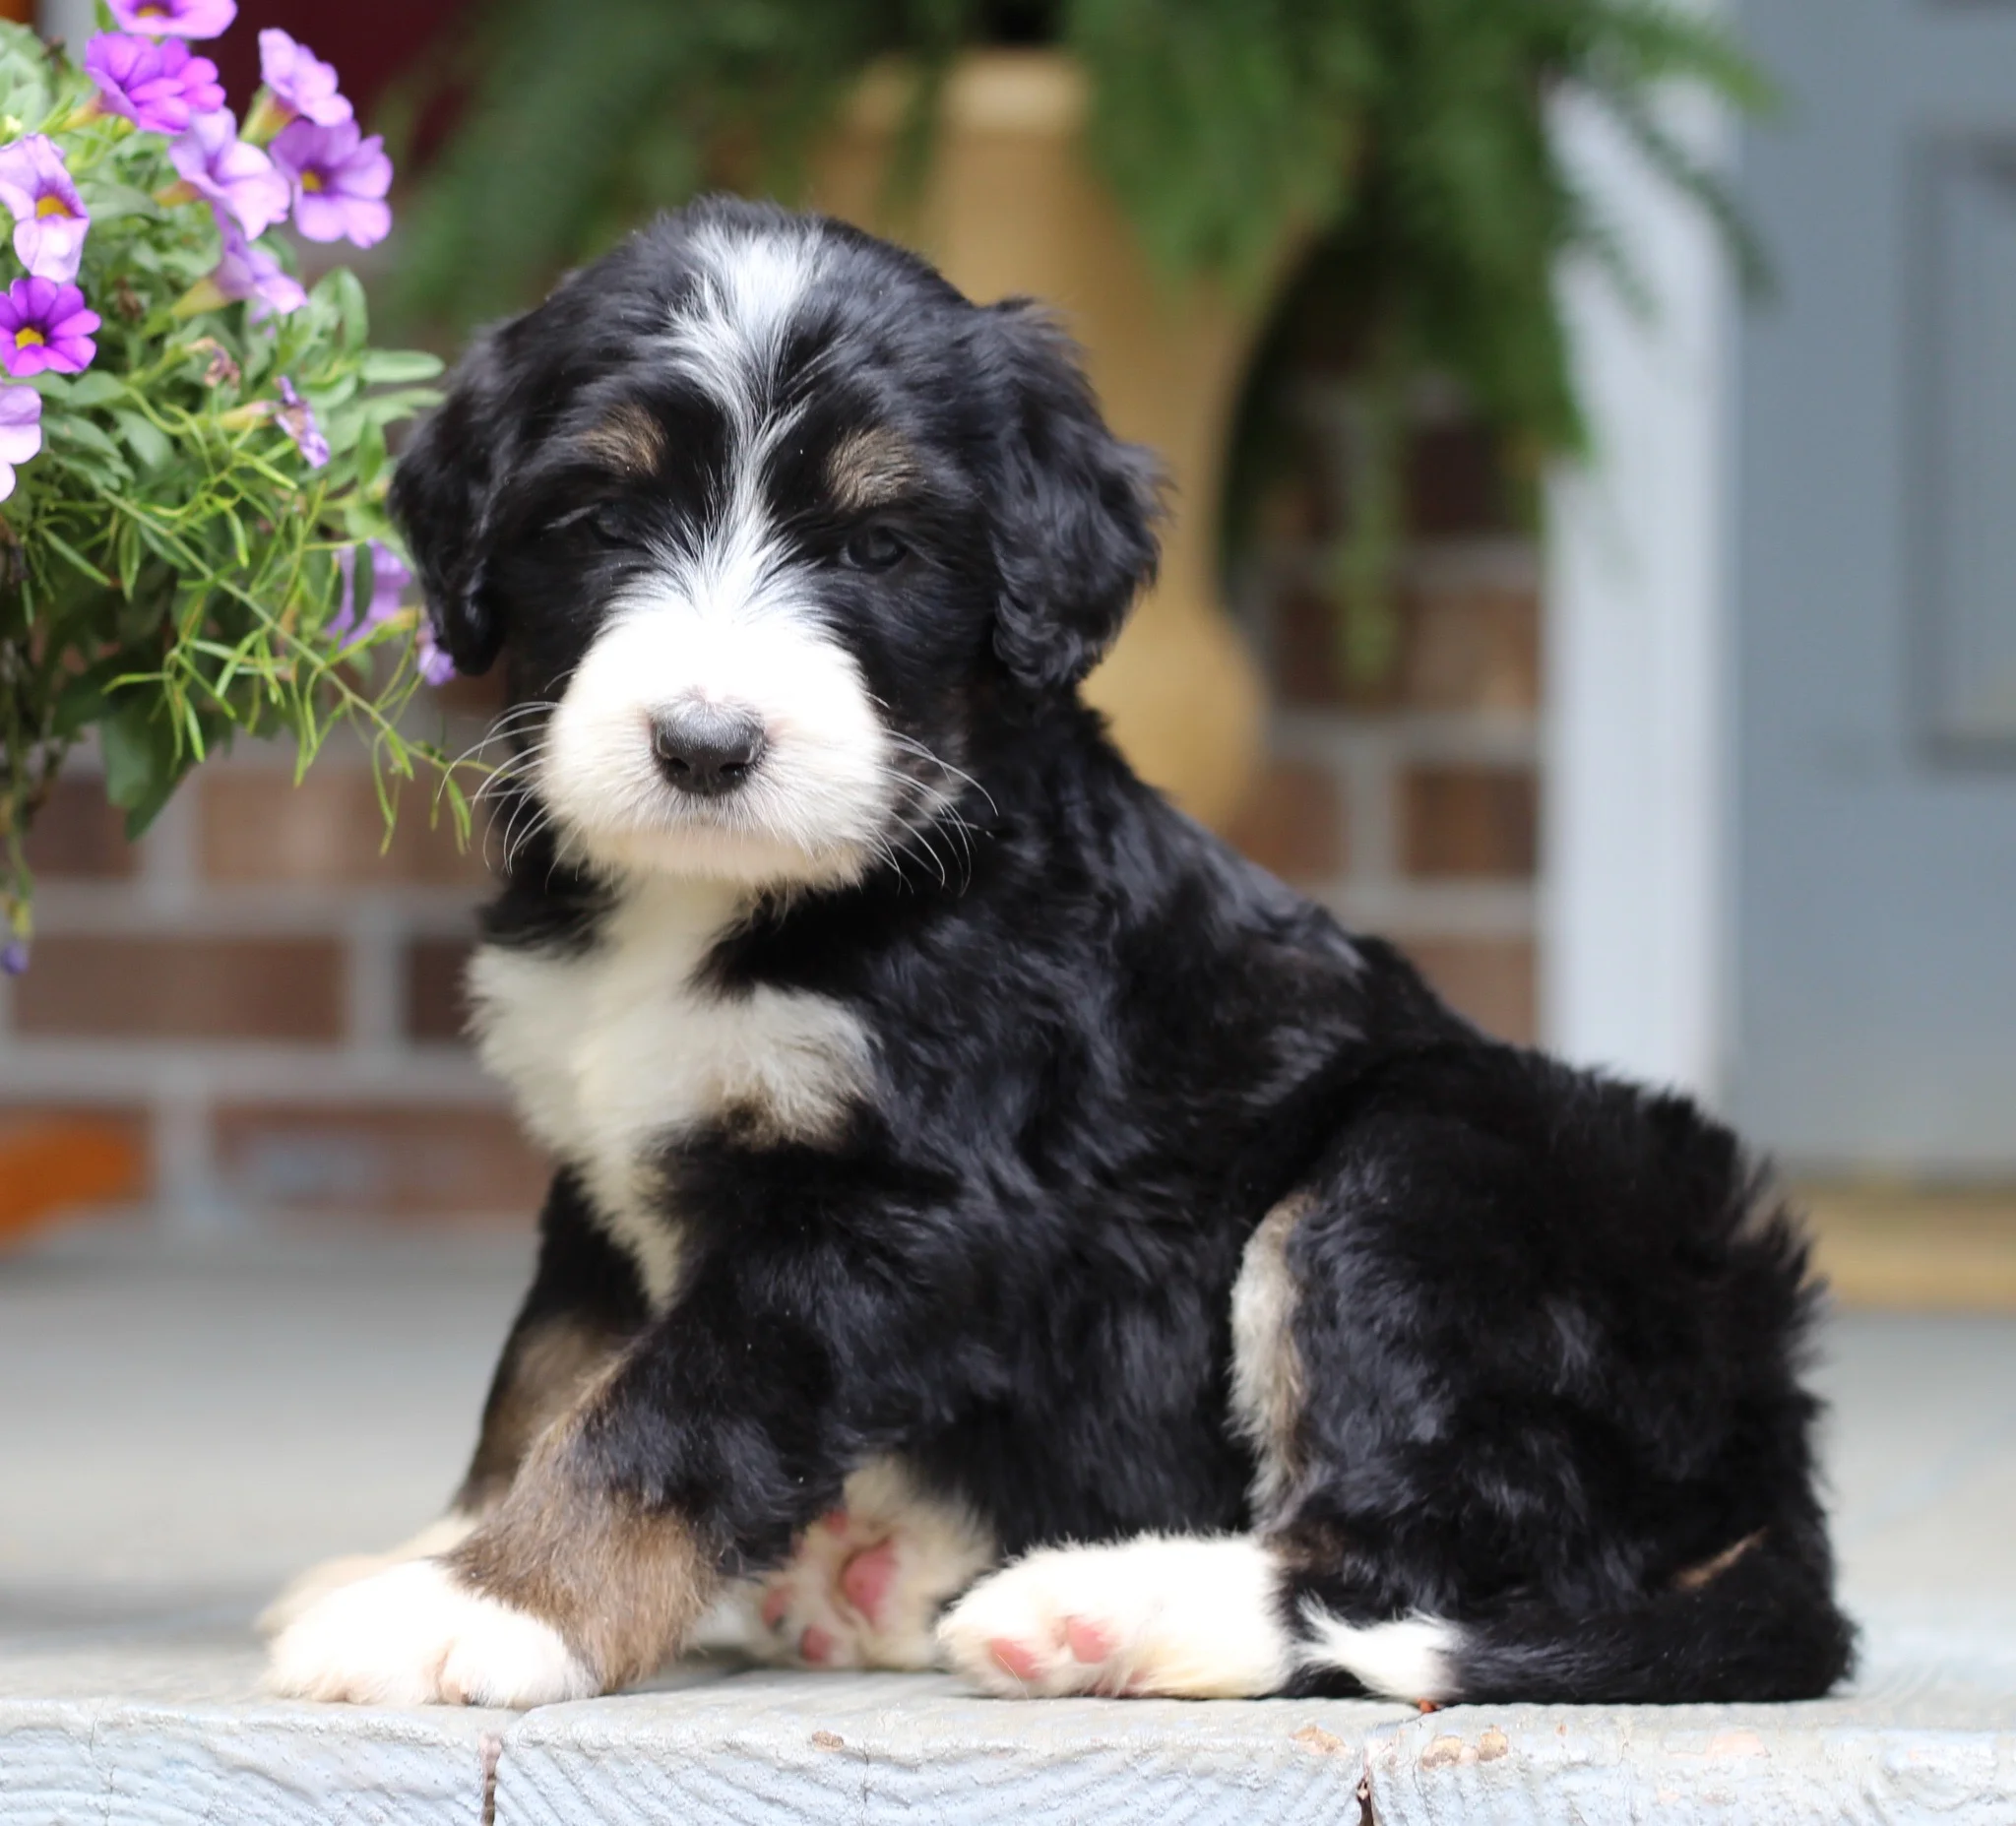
258,826
1293,823
77,836
435,1008
182,989
1456,648
1308,656
1472,647
1456,482
381,1160
58,1156
1491,981
473,697
1468,822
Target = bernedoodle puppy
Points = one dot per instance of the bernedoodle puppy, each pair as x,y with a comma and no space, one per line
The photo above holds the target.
995,1224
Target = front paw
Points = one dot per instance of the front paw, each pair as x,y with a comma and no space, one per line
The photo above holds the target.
304,1591
416,1635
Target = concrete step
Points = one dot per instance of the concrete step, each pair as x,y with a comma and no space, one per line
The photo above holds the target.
177,1432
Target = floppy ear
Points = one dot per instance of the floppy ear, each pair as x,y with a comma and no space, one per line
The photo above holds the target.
441,497
1076,541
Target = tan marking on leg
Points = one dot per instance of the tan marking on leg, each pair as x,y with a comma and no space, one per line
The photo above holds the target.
621,1584
1267,1370
545,1374
629,440
869,469
1694,1578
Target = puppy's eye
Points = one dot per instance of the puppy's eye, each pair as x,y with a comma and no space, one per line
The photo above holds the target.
874,548
608,523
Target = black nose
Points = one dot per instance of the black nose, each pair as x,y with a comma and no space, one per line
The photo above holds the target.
706,748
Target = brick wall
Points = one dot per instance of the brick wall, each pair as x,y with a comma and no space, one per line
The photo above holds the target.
264,994
267,1000
1408,804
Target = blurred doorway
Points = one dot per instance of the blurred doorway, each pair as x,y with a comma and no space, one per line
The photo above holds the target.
1874,661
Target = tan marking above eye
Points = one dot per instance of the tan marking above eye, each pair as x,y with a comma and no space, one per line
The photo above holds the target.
870,469
629,440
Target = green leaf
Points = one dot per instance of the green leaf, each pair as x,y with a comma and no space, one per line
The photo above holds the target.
93,388
387,366
139,748
108,201
144,438
385,408
343,290
371,458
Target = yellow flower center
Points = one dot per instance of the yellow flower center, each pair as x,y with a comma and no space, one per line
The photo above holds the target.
152,12
311,181
51,206
29,336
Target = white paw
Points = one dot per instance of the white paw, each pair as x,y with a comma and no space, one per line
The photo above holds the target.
1165,1614
308,1589
416,1636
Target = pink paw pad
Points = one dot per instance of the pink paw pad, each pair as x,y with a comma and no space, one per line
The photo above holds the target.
866,1579
1016,1658
777,1602
1088,1642
815,1646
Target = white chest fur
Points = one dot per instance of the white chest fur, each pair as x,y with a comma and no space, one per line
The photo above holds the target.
610,1054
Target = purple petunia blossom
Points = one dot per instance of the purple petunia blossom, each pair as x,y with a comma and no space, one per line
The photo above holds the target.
160,87
21,432
434,665
297,420
251,272
234,176
14,958
389,581
44,325
301,83
339,182
176,19
49,217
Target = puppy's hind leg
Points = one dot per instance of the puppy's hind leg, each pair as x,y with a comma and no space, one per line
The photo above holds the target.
1178,1615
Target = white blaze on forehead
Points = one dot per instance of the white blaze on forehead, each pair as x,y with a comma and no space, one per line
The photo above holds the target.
728,614
727,335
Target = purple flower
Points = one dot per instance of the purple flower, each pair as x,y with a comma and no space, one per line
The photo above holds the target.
46,324
14,958
220,370
176,19
251,272
49,217
21,432
301,83
389,581
159,87
216,164
434,665
339,182
297,420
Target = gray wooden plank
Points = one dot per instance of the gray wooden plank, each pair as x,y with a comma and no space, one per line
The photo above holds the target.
1837,1763
882,1747
126,1763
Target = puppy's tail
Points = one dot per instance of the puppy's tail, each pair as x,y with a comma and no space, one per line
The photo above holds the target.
1753,1624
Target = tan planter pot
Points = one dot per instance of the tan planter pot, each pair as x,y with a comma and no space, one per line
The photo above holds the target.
1011,207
